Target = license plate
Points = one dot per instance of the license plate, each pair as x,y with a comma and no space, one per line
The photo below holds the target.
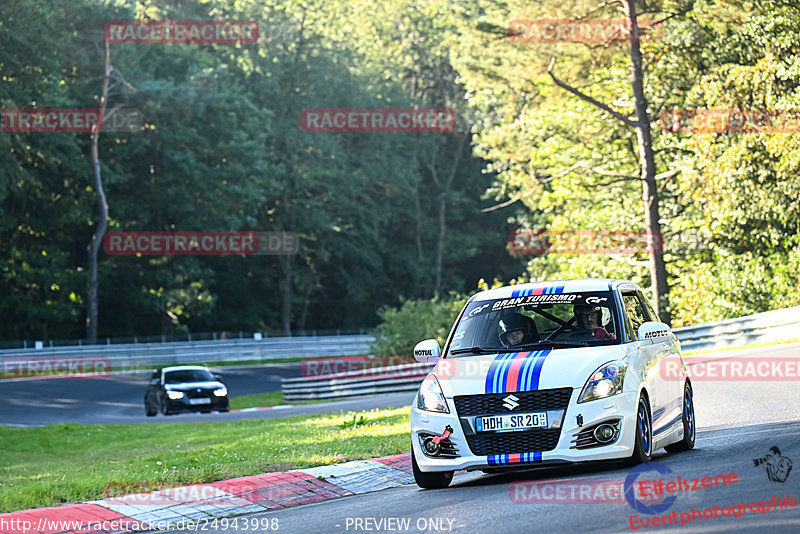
199,401
519,421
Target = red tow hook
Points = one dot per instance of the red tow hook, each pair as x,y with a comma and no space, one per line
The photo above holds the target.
446,434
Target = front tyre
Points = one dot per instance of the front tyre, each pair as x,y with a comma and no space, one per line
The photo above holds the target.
688,423
436,480
643,448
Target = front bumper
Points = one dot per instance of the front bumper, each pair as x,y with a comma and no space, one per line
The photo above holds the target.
184,405
621,408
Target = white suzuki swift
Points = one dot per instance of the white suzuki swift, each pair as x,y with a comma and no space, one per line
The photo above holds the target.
551,372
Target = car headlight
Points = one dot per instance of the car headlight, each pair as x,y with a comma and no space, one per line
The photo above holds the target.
175,395
221,392
430,396
604,382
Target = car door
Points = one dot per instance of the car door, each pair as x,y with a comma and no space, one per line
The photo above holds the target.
670,352
651,355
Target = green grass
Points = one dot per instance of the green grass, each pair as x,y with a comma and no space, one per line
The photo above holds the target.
259,400
69,463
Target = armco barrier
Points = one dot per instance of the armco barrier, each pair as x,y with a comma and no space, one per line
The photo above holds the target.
774,325
768,326
124,357
394,379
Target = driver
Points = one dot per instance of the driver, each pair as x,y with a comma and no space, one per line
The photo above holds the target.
589,318
515,329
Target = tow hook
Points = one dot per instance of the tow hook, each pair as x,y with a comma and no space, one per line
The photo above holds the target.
432,444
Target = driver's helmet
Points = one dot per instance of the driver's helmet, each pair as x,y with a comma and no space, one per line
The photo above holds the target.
513,323
582,310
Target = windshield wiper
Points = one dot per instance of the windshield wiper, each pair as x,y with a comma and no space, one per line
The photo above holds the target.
551,344
474,350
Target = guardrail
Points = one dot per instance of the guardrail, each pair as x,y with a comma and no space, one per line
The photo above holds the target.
768,326
393,379
133,356
773,325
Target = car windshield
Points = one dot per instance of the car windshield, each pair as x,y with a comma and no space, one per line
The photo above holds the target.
187,375
531,322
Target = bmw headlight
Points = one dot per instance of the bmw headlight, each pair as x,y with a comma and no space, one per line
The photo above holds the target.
221,392
604,382
175,395
430,396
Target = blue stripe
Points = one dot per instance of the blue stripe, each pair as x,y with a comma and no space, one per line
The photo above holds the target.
495,371
667,425
527,371
537,370
537,456
490,375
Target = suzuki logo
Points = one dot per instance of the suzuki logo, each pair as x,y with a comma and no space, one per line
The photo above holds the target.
510,402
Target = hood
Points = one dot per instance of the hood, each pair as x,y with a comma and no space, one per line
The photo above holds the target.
523,371
183,386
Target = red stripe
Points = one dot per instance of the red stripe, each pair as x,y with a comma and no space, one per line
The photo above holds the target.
537,291
513,371
514,458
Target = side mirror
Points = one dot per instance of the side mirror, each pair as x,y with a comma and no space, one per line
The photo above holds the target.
218,377
427,351
655,331
155,381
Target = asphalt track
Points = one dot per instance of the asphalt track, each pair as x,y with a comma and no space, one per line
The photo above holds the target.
119,399
737,422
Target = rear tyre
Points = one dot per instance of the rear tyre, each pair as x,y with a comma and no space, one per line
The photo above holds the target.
643,448
688,423
437,480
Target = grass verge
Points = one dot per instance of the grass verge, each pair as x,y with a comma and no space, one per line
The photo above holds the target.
69,463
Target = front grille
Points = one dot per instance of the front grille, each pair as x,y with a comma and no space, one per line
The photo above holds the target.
537,439
513,442
529,401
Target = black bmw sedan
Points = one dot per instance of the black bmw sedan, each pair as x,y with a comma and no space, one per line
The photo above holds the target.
185,388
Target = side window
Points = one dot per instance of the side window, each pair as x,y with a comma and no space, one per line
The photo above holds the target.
634,311
648,307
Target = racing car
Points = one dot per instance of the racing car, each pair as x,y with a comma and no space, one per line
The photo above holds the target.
185,388
546,373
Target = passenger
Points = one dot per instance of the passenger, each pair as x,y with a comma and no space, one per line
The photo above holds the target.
516,329
589,318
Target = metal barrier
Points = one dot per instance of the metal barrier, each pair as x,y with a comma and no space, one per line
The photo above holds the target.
393,379
774,325
768,326
133,356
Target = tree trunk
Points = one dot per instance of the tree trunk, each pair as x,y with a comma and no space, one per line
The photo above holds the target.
437,286
658,270
286,294
100,232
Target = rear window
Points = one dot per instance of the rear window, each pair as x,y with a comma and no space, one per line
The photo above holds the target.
536,321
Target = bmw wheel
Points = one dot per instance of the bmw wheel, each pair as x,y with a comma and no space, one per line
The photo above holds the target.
643,448
435,480
688,423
